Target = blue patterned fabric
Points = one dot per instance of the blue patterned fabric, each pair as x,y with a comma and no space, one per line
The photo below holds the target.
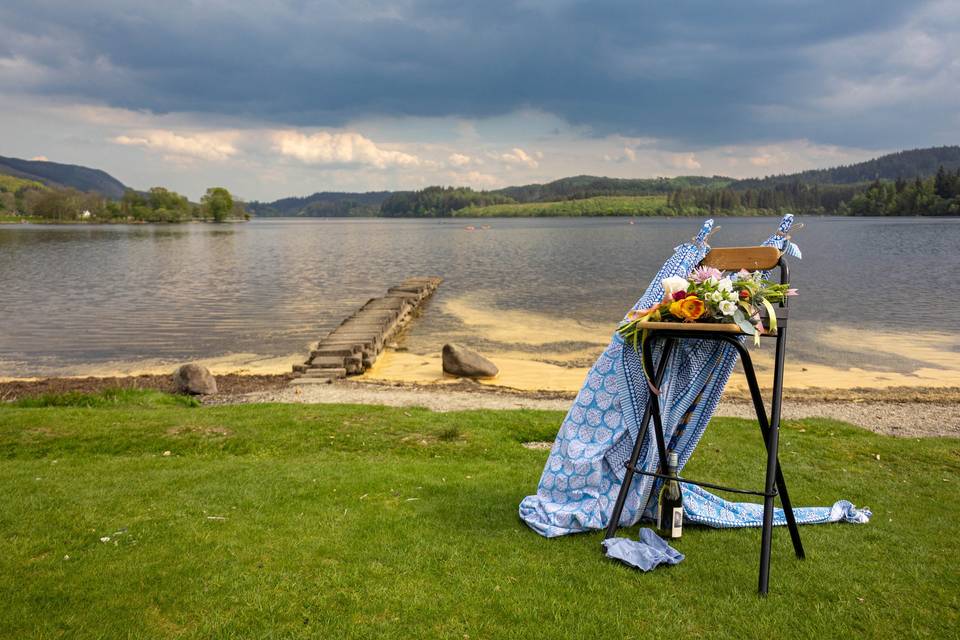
647,553
585,469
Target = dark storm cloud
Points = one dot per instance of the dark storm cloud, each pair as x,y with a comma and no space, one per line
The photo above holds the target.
695,73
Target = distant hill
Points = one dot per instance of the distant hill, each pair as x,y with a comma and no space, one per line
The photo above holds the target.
55,174
322,204
442,201
578,187
922,163
817,190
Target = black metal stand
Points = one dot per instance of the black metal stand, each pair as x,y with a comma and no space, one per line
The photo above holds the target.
774,484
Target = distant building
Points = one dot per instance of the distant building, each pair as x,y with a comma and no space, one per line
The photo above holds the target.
85,215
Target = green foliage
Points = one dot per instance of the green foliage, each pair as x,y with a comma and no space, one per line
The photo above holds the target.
934,196
217,203
937,196
915,162
57,175
143,398
437,202
795,196
323,204
63,204
12,184
600,206
581,187
156,205
330,521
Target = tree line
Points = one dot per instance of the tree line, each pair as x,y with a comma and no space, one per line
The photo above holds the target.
938,195
35,200
438,202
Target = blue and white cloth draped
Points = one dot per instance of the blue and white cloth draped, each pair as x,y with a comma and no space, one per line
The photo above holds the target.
585,470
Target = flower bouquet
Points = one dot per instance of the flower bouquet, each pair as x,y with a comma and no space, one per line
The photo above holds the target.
711,296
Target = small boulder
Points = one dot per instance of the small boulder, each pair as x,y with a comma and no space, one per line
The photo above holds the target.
460,361
194,379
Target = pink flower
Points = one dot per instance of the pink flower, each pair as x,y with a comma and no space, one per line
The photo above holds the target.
701,274
792,292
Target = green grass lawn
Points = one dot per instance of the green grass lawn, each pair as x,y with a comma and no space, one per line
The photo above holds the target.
281,521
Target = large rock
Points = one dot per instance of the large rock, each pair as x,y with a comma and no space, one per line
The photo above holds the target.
460,361
195,379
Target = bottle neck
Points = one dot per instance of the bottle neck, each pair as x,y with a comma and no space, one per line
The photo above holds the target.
671,465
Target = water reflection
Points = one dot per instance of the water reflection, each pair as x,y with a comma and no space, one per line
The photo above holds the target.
76,295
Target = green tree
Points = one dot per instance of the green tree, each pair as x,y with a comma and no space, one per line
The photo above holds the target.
217,203
169,205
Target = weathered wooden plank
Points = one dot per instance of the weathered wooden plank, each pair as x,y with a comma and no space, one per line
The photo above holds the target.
355,343
736,258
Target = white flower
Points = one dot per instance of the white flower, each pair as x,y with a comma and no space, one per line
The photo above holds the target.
726,284
727,307
673,284
715,296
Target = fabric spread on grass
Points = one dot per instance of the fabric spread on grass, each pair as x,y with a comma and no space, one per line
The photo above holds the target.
649,553
585,470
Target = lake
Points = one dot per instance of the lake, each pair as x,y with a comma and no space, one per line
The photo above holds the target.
879,296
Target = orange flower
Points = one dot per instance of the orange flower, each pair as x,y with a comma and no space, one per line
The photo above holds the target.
690,308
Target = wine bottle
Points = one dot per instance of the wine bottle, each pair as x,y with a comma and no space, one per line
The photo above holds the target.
670,504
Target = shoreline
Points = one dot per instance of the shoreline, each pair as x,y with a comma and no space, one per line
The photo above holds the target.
247,381
895,411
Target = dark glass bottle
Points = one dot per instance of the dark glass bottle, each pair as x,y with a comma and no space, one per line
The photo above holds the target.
670,504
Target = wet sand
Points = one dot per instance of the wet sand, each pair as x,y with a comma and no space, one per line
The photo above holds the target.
233,364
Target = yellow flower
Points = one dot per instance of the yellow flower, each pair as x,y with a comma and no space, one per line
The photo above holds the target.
689,308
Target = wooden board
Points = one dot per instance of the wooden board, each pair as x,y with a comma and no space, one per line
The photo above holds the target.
716,327
736,258
719,327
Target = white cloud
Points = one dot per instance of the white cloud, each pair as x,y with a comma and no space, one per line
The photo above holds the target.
459,159
474,179
207,146
684,161
40,158
339,149
519,156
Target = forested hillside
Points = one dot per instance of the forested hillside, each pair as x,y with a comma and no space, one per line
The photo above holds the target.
41,191
579,187
936,195
903,164
438,202
55,174
323,204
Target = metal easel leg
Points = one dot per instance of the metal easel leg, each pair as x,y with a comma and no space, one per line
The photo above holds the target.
765,431
774,475
635,454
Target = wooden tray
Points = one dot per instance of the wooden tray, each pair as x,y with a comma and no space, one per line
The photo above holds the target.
718,327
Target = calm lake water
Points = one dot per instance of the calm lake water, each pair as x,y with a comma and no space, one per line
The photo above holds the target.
78,299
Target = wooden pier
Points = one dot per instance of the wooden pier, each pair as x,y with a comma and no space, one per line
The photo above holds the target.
354,345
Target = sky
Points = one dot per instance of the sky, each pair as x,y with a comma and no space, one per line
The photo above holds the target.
274,98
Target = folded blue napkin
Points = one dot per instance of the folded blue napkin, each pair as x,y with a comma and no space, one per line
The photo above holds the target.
651,551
